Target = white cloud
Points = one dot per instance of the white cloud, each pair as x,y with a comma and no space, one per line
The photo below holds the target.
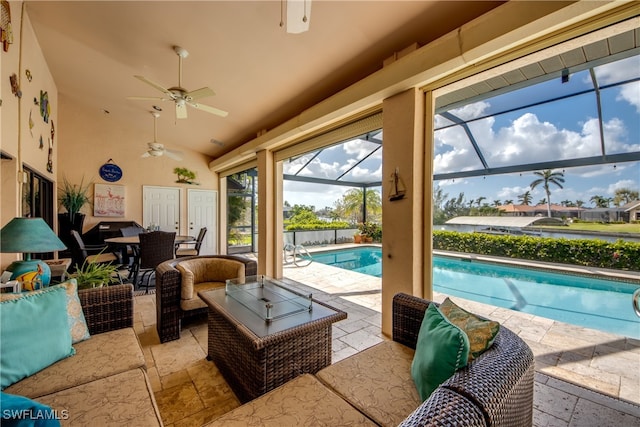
512,192
625,183
526,140
619,71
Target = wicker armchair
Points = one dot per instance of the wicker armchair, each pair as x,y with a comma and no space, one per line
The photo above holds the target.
169,313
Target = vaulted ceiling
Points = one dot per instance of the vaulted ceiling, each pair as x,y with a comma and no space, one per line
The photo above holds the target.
261,74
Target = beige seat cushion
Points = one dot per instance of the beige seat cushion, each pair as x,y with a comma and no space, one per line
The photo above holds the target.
303,401
124,399
377,382
100,356
196,302
202,270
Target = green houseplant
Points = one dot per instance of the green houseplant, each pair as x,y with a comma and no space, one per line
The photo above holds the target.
95,275
73,197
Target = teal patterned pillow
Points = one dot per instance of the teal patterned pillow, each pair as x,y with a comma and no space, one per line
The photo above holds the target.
77,322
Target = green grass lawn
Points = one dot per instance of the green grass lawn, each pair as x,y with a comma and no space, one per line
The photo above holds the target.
598,227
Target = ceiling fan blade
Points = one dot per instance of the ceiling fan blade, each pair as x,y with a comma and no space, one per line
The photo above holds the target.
155,85
209,109
148,98
176,155
199,93
181,110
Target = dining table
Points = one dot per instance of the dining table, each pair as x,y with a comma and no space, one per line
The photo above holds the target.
118,243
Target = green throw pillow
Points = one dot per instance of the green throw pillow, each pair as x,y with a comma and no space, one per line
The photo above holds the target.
481,332
442,348
34,334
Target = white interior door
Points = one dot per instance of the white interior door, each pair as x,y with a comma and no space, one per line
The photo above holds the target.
202,207
161,207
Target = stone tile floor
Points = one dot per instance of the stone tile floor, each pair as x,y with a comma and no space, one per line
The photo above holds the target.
583,377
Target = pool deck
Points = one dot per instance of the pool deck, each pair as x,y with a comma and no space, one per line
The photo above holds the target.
585,376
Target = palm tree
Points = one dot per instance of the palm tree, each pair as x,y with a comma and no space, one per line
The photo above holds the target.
579,203
525,198
497,203
352,206
547,177
508,202
623,196
598,201
479,200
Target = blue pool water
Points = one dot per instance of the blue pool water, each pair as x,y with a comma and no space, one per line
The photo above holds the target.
584,301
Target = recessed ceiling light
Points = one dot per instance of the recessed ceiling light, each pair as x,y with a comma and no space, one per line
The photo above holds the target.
105,111
155,107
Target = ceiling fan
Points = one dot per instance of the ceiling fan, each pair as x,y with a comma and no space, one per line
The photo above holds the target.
180,95
155,148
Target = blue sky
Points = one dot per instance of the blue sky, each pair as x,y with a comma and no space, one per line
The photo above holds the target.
568,128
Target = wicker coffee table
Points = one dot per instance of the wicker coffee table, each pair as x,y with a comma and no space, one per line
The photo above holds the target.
256,354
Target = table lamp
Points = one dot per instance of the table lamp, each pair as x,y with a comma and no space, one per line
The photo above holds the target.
27,236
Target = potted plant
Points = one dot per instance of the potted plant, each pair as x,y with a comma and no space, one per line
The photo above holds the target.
72,197
95,275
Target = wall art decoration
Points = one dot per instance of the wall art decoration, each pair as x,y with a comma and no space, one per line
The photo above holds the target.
28,74
45,108
110,171
6,33
31,124
50,157
15,86
41,146
108,200
53,132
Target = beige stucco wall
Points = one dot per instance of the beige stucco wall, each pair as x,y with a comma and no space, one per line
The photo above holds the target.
89,137
17,139
402,245
83,140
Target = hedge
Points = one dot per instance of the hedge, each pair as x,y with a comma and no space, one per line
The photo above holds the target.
620,255
339,225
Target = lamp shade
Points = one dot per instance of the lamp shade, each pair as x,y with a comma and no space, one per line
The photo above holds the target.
29,235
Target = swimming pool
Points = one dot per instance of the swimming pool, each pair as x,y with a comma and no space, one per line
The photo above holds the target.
590,302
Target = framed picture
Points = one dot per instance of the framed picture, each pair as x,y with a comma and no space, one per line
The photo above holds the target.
108,200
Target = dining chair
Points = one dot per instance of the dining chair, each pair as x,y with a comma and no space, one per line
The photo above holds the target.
130,252
99,254
193,248
155,247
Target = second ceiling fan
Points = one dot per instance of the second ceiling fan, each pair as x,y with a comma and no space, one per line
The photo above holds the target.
157,149
180,95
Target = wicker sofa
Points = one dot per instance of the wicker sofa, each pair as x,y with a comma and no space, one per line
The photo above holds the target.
374,387
105,382
170,306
